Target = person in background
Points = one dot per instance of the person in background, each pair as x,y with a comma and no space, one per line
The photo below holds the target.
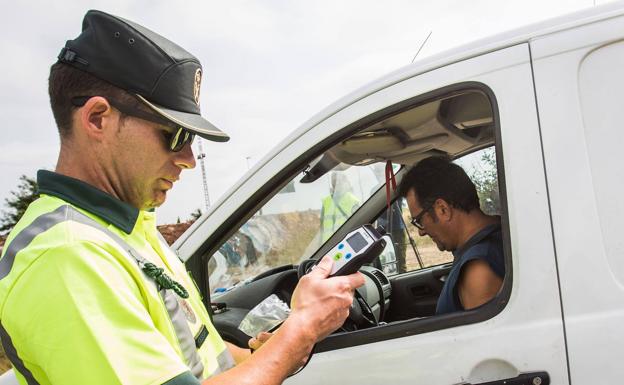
338,205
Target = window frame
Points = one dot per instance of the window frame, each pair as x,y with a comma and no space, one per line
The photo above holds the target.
197,263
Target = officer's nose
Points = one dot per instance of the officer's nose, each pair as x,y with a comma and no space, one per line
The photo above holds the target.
185,157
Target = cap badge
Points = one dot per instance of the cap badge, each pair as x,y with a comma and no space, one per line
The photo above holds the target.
196,85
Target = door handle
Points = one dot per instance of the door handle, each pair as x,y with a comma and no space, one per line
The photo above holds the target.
535,378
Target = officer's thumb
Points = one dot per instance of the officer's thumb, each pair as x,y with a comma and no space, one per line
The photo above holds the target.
324,267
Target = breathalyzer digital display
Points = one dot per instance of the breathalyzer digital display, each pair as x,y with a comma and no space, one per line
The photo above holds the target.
357,242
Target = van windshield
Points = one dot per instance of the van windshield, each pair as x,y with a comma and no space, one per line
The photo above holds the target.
294,224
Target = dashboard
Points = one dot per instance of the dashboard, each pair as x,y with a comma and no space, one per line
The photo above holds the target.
234,305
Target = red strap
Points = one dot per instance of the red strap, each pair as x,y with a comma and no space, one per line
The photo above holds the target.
389,178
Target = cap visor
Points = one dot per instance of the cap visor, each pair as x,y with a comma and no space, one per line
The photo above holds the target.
192,122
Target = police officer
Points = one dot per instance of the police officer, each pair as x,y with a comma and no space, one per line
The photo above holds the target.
338,206
89,291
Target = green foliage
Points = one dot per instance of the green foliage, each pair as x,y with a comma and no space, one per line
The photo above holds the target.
486,181
27,191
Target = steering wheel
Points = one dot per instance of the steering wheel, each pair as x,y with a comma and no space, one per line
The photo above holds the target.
360,316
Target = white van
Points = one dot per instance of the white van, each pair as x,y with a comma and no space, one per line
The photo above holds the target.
534,117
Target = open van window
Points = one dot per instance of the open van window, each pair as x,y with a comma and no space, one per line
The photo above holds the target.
343,187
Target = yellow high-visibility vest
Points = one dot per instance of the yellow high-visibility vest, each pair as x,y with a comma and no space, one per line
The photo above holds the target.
76,306
335,212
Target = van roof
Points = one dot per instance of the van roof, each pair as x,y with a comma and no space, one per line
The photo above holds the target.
466,51
463,52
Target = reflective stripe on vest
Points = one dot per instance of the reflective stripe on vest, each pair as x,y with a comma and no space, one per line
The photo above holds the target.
65,213
11,353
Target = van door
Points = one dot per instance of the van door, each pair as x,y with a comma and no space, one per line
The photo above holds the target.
579,76
524,335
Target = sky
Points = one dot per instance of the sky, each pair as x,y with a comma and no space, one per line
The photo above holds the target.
268,67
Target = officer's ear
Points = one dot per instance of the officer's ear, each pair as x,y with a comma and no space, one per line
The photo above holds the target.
96,118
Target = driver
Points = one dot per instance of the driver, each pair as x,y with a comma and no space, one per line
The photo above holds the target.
444,205
90,292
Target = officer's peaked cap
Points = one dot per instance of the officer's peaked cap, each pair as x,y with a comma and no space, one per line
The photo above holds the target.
163,75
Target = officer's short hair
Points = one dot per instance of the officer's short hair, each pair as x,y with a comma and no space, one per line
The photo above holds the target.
437,177
66,82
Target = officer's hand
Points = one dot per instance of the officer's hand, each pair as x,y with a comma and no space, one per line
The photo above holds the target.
321,303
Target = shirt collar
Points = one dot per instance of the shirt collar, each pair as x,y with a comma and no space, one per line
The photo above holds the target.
478,237
88,198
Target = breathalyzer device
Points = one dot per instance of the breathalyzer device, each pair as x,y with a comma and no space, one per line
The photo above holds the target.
359,247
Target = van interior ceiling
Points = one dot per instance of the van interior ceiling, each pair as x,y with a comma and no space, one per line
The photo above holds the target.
453,125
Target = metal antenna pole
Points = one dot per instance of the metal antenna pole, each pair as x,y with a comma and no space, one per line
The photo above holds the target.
422,45
201,157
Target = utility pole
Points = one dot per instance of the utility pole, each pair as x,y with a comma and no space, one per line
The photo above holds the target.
201,156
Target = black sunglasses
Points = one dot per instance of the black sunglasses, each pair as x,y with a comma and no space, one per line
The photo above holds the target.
416,221
177,138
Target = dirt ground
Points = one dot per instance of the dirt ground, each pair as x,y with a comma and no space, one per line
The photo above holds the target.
429,255
4,362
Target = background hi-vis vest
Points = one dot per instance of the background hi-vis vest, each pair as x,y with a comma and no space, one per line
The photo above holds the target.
335,212
76,308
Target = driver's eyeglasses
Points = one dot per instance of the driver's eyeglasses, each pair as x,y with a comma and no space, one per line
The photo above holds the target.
416,221
176,139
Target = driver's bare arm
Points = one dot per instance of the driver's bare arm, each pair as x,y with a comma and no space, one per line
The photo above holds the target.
478,284
319,306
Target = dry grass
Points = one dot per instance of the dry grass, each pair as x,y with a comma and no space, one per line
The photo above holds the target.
297,232
282,239
4,362
429,254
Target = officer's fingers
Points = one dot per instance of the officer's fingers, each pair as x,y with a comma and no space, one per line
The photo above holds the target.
354,280
323,269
